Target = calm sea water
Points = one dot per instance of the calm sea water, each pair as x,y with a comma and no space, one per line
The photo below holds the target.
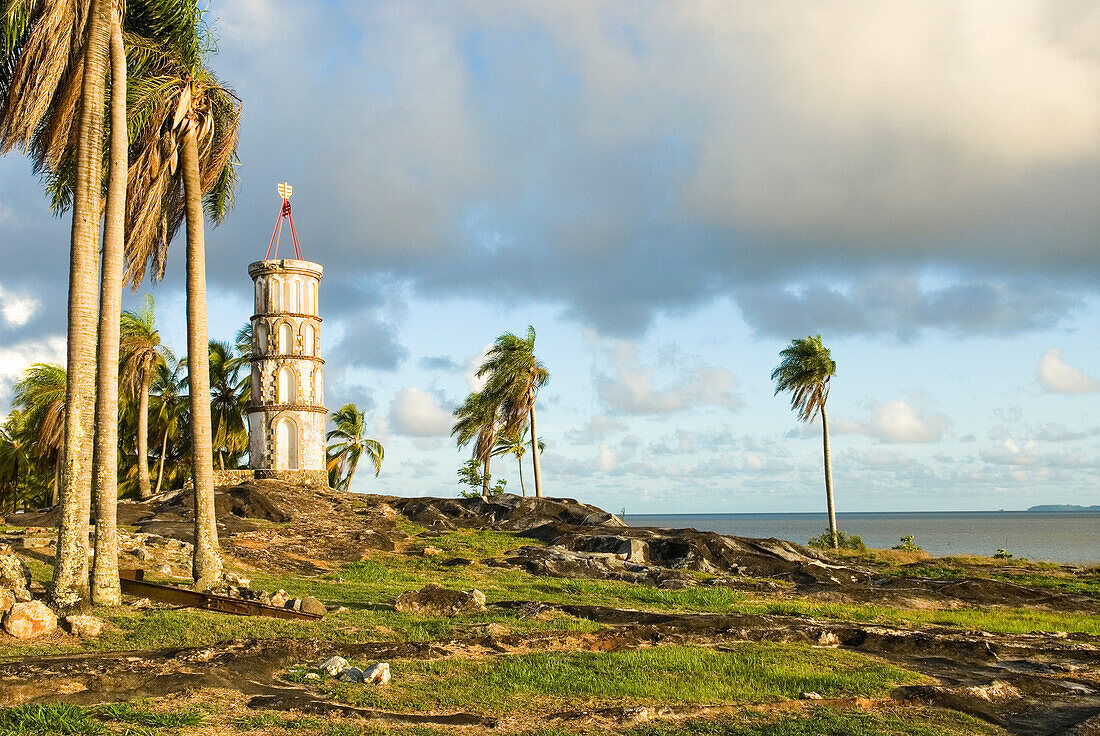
1058,537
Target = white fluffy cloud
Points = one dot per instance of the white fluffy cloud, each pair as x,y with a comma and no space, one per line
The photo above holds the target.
1059,377
416,414
631,388
1012,453
17,309
898,421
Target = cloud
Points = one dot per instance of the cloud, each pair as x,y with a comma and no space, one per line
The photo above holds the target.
1058,377
17,309
439,363
1011,453
1057,432
630,389
898,421
597,428
416,414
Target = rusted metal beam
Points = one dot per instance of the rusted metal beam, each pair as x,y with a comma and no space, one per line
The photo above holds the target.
133,583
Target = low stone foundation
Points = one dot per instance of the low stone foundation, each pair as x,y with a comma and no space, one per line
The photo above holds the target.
297,477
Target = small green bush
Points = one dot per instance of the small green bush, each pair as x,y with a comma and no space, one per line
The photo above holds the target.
844,540
1003,554
907,545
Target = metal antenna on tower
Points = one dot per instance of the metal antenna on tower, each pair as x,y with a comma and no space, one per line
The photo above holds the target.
285,191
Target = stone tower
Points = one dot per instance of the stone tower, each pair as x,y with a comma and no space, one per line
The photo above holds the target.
286,419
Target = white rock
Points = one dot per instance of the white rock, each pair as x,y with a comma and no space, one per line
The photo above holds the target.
810,696
333,666
379,673
478,596
84,626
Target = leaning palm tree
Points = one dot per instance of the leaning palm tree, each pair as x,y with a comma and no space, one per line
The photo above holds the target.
349,446
805,371
187,140
514,377
142,355
478,420
17,465
54,62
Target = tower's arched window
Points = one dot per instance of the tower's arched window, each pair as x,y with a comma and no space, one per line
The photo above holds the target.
297,296
307,339
259,295
256,396
276,295
318,387
287,393
286,339
259,340
313,297
286,444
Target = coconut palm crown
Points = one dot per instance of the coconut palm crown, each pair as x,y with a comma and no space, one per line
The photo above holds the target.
349,446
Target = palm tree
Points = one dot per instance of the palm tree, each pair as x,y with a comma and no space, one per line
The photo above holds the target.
142,356
805,371
16,464
53,86
230,436
514,377
169,408
350,444
478,418
188,143
42,398
514,443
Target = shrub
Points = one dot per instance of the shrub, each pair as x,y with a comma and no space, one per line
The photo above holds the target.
907,545
844,540
1003,554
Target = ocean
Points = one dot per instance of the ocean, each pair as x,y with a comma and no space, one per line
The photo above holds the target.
1067,537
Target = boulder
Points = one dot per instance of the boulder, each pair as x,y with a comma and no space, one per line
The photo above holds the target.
29,619
432,600
14,574
351,674
84,626
279,598
333,666
7,600
312,605
431,551
379,673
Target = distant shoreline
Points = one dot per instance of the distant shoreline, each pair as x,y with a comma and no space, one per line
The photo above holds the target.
1042,509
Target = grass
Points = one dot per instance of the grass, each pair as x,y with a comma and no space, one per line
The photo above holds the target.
750,672
825,721
54,718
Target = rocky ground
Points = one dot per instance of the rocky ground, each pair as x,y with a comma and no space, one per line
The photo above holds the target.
559,576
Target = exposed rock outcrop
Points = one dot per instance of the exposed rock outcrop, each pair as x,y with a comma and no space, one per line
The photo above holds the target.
432,600
29,619
506,512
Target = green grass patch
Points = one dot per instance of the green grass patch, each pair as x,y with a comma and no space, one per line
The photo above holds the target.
753,672
473,543
826,721
138,715
49,719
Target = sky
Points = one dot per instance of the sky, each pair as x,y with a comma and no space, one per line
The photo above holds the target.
669,192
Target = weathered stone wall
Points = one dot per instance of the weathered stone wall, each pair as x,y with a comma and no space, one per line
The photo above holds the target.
297,477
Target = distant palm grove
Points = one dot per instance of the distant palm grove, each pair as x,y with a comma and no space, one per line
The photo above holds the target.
154,422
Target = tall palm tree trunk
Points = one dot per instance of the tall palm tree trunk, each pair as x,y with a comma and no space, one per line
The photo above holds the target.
143,434
160,464
206,565
69,588
485,479
519,462
828,477
535,455
105,585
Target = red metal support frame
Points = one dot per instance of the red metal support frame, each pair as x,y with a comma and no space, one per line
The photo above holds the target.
284,213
